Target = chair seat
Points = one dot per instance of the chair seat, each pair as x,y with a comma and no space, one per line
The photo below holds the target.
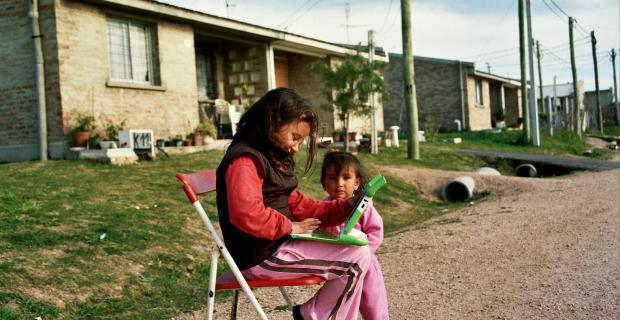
228,282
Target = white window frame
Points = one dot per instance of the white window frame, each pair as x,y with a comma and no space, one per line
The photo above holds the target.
133,55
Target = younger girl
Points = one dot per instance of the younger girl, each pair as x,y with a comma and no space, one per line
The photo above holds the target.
341,177
259,206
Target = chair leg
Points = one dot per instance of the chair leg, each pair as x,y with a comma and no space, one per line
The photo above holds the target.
212,280
233,308
289,301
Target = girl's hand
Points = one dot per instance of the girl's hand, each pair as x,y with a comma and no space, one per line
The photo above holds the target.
305,225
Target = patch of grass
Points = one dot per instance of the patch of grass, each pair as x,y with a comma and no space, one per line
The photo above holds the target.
562,143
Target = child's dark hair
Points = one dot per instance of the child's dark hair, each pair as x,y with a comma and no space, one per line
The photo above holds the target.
340,160
260,123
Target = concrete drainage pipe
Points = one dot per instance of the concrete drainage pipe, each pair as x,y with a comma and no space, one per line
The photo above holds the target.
526,170
458,189
488,171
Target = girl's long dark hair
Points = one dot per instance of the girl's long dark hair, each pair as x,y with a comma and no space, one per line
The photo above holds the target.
260,123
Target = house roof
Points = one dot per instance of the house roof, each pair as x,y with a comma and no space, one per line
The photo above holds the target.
230,28
506,81
437,60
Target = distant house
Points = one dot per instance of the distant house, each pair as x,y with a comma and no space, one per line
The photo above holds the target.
154,65
562,98
608,107
451,93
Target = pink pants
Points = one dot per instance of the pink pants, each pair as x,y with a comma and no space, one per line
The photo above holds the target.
374,304
343,267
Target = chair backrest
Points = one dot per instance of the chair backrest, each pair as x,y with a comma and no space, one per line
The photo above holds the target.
197,183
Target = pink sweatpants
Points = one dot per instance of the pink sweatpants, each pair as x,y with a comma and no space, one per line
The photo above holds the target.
343,267
374,304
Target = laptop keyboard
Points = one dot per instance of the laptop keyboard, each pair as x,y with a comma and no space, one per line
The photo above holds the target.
325,234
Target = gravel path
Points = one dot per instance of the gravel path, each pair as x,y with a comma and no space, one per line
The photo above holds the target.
533,249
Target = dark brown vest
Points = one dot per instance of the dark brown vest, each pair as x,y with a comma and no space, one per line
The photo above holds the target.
246,249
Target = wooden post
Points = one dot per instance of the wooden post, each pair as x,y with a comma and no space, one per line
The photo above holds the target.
533,105
576,115
524,90
540,85
373,115
599,113
413,145
613,65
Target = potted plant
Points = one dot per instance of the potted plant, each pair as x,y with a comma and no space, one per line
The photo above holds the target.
85,123
177,141
205,132
500,123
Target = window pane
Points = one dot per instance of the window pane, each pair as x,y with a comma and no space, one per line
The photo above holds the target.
118,49
139,60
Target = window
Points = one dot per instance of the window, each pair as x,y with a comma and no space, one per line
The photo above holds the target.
132,50
204,75
479,100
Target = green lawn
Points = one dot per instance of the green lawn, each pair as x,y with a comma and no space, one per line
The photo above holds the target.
83,240
562,143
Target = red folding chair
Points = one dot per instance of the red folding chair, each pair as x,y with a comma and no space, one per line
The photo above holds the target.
201,182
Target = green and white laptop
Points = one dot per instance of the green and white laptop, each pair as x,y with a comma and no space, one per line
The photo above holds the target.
348,234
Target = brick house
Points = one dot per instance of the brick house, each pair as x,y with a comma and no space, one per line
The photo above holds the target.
154,65
450,92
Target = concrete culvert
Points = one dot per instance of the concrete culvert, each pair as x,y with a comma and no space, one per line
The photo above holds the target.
526,170
488,171
458,189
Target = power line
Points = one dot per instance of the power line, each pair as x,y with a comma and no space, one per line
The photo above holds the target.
302,14
551,9
556,5
386,17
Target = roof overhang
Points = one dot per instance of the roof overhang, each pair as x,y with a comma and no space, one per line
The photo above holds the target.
229,28
505,81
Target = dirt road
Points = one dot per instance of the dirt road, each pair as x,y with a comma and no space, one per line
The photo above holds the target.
533,249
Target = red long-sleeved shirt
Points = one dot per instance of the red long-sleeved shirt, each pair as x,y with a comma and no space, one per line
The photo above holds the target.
248,213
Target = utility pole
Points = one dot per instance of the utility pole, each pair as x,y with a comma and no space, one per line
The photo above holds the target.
373,117
613,64
542,97
413,145
576,103
599,114
533,105
347,10
552,105
524,90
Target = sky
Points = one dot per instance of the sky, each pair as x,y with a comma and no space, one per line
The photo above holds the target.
485,32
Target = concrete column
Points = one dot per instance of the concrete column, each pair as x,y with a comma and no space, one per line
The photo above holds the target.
270,68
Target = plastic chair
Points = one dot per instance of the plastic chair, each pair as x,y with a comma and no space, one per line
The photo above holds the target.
201,182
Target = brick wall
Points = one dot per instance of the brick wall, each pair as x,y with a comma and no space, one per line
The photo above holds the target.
479,115
310,86
437,89
245,74
19,137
